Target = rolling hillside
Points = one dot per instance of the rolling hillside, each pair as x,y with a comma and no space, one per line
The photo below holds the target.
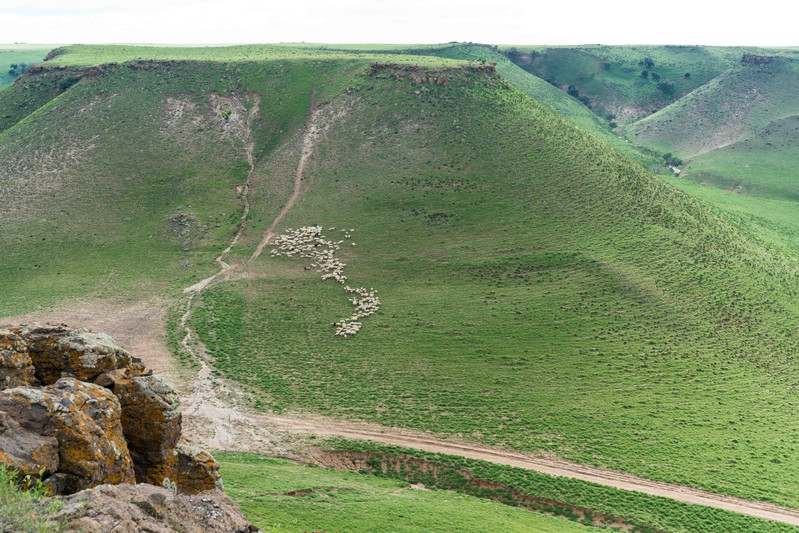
740,103
612,79
539,290
545,93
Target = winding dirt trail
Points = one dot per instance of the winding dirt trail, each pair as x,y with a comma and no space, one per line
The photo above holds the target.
212,411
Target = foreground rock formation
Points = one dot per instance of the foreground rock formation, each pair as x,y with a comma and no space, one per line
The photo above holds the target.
77,411
135,508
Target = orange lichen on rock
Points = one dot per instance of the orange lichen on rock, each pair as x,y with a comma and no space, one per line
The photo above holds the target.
60,351
16,367
26,451
197,471
151,420
85,421
74,434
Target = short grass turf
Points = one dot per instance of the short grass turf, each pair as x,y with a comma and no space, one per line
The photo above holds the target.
282,496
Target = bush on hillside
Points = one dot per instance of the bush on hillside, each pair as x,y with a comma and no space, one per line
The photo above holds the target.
666,86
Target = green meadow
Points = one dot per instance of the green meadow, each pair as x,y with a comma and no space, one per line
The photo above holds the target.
281,496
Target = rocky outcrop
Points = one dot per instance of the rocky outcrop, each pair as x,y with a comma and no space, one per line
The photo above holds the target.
151,419
78,411
196,470
16,367
60,351
754,59
30,453
131,509
83,419
417,75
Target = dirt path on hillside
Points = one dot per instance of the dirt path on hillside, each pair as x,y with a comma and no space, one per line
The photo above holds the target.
212,412
313,130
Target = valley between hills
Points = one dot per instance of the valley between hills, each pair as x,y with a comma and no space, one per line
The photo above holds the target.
586,275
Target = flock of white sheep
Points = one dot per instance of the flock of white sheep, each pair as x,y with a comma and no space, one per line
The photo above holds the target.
308,242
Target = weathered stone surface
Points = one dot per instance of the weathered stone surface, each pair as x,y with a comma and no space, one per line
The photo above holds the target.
132,509
151,420
60,351
197,471
26,451
85,421
108,379
16,367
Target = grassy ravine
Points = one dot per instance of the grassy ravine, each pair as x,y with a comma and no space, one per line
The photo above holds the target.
23,510
643,512
282,496
610,76
730,108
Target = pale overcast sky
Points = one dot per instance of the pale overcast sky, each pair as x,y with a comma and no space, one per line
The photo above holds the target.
765,23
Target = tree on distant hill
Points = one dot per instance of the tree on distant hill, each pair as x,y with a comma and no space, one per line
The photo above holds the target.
645,74
647,62
655,76
573,91
666,86
18,69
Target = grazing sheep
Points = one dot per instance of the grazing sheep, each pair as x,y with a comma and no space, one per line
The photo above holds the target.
309,243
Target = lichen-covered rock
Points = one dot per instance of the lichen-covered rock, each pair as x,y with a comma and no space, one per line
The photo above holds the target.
85,420
108,379
151,420
60,351
16,367
132,509
28,452
197,471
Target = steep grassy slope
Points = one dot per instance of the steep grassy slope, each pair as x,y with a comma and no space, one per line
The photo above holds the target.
31,92
127,181
764,164
552,97
540,291
610,77
740,103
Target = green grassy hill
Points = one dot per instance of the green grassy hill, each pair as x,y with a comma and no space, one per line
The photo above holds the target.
552,97
539,290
